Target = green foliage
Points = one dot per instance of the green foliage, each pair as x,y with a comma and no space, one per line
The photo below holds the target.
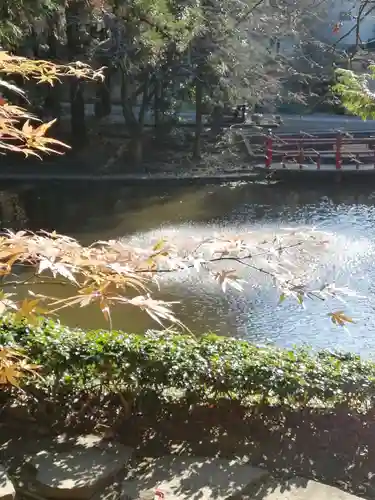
148,29
168,365
18,17
354,91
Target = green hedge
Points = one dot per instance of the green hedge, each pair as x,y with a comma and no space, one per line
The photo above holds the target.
174,366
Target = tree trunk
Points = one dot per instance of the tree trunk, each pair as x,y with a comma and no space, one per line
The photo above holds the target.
132,124
157,104
77,102
135,124
136,147
197,151
77,114
145,103
217,118
103,105
52,103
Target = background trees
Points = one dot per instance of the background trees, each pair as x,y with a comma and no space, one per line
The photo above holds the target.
162,57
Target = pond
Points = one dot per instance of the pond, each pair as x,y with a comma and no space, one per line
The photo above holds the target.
345,213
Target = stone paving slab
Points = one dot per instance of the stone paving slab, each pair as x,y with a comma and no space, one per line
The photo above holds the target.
297,488
80,472
186,478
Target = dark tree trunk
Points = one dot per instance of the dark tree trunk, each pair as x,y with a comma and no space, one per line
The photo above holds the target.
77,114
52,101
103,105
197,151
135,124
217,118
136,146
157,99
77,102
138,129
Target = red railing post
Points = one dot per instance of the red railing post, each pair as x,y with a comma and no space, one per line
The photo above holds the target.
338,151
269,147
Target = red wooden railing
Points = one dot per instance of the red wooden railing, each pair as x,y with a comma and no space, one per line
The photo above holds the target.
339,148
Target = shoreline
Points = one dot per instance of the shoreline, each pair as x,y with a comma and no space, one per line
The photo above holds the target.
133,178
254,177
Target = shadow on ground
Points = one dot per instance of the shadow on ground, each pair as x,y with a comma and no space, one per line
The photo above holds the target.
335,447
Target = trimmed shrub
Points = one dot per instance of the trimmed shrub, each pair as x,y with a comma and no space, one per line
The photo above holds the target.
97,362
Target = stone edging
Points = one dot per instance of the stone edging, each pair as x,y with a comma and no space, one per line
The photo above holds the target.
133,179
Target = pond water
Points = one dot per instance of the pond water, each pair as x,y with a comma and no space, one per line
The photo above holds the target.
345,213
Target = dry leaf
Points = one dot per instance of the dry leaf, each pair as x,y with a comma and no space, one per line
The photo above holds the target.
340,318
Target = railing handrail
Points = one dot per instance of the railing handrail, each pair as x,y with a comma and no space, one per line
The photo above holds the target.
330,140
300,148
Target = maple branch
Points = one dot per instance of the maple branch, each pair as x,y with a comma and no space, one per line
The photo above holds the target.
240,260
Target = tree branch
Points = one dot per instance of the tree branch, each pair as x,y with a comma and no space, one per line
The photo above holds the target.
355,27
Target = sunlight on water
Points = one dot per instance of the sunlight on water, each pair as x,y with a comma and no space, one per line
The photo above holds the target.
327,253
254,313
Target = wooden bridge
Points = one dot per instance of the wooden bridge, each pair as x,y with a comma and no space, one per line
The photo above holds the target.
329,152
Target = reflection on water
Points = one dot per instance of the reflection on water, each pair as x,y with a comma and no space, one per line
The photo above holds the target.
347,213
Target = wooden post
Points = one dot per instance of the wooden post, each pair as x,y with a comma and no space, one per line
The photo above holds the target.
338,151
269,149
